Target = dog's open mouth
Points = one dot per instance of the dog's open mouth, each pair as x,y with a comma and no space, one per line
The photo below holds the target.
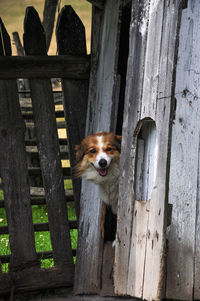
103,171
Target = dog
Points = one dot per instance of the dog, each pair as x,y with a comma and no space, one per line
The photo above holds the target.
98,159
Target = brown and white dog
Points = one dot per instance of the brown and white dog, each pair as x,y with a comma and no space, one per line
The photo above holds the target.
98,158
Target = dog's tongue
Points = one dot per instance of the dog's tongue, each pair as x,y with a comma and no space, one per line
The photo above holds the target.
102,172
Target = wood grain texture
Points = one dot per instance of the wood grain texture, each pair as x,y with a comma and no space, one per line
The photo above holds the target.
31,280
183,255
138,249
14,172
155,76
70,33
62,66
48,147
133,97
105,35
155,259
107,269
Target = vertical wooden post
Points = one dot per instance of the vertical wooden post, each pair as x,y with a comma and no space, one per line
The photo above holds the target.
151,67
14,172
48,145
70,33
183,263
101,108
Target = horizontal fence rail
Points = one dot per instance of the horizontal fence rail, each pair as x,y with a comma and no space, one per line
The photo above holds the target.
62,66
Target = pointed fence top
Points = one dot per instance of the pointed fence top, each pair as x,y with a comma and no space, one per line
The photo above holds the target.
70,33
5,45
34,34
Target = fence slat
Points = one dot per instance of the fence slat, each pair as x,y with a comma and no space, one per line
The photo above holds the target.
5,45
71,40
14,173
48,146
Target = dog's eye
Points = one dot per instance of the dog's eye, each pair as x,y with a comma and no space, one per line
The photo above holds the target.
108,149
93,151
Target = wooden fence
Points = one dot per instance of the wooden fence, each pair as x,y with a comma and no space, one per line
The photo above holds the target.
31,153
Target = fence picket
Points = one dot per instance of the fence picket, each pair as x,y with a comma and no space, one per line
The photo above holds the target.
14,172
48,146
71,39
5,45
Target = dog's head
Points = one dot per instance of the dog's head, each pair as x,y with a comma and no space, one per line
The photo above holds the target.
97,155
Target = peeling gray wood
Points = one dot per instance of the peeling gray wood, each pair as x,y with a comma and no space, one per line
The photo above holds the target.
155,259
158,77
106,71
133,97
138,249
104,55
152,61
183,254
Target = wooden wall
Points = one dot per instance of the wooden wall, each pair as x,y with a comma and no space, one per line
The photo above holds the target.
141,224
183,264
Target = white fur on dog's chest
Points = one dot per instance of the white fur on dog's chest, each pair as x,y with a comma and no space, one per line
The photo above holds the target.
109,194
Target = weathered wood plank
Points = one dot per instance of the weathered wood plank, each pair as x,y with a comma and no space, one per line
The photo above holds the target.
39,200
48,147
151,73
133,97
14,173
197,241
5,45
105,35
30,280
138,249
183,254
71,40
83,249
40,227
18,44
166,17
107,269
65,66
40,255
98,3
156,242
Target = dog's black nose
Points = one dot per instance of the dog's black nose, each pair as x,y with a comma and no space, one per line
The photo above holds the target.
102,163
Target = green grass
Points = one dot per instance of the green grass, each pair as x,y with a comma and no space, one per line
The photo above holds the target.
42,239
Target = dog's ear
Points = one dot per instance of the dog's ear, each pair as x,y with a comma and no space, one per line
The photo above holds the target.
118,140
79,152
